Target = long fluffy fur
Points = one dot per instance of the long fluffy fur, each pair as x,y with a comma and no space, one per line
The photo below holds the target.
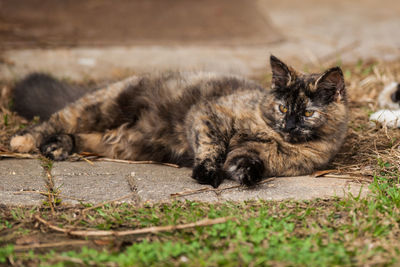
223,126
42,95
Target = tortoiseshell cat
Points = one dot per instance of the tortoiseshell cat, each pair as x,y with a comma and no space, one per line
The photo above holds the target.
223,126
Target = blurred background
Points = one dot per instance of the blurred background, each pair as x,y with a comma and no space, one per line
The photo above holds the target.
101,39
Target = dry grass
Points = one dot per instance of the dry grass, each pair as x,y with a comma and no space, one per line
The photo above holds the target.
365,146
9,122
368,144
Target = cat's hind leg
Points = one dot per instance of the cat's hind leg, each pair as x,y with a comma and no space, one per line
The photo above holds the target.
122,143
94,112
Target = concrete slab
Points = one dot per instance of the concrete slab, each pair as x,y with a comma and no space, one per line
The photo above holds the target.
17,178
96,183
142,183
158,183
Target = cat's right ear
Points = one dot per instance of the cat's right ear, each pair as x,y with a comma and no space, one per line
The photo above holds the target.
281,74
331,85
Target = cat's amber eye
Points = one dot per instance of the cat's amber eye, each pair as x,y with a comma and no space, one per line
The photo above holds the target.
309,113
282,108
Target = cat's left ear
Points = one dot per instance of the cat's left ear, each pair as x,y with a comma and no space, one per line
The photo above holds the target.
330,85
281,74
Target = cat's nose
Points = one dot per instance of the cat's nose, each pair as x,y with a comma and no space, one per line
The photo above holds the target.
290,123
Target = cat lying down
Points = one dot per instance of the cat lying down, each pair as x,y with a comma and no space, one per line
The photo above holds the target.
389,99
224,126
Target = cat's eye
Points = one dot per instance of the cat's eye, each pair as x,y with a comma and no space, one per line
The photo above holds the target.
282,108
309,113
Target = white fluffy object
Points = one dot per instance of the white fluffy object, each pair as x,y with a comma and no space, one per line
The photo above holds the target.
390,116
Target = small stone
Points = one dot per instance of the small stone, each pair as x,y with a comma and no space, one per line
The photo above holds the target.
183,259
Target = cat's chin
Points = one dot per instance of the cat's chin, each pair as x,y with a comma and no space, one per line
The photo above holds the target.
293,139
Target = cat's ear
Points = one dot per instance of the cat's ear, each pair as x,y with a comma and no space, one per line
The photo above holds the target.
330,85
281,74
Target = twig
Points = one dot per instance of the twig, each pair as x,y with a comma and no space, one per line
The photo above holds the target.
149,230
207,189
190,192
334,174
340,176
322,173
18,155
138,162
87,160
46,194
345,177
51,245
53,227
83,156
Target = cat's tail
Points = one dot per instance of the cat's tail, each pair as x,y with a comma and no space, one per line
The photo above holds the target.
41,95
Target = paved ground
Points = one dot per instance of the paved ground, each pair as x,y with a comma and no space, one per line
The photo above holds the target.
21,180
303,32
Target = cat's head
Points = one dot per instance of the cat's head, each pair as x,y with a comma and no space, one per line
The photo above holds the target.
303,104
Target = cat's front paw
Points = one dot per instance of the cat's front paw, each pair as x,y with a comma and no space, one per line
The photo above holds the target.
208,173
246,170
57,147
22,142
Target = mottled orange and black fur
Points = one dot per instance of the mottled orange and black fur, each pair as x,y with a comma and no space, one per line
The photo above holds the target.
223,126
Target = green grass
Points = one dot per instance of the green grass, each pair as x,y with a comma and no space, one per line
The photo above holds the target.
352,232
